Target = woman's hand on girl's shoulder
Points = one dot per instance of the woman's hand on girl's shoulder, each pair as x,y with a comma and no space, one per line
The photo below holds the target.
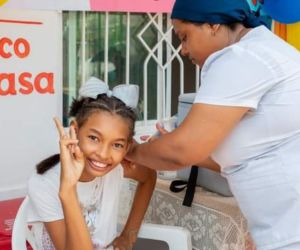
71,157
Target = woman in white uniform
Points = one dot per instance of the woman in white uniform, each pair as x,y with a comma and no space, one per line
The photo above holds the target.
245,116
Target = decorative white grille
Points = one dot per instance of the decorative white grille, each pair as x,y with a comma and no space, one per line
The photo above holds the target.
163,53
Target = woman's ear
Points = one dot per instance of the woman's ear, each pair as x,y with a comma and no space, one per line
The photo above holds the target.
214,28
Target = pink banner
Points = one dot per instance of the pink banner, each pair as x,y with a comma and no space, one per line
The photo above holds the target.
132,5
156,6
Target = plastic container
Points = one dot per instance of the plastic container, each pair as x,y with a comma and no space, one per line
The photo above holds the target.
207,178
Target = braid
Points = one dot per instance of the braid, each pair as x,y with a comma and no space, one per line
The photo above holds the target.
83,108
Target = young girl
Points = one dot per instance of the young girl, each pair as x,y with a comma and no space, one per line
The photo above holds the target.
75,194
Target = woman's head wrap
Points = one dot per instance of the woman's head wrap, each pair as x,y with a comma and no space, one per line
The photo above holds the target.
216,12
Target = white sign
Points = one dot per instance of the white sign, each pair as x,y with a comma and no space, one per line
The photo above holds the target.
30,93
49,4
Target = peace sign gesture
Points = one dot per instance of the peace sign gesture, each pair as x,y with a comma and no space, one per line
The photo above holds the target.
71,157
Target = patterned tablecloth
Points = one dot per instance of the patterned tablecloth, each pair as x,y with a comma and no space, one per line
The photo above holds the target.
215,222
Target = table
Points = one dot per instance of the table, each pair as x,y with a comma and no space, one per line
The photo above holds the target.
215,222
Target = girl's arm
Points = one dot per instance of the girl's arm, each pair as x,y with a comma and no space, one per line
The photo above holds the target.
146,179
77,236
77,233
70,233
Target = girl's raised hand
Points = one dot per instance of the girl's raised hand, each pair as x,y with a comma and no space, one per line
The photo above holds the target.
71,157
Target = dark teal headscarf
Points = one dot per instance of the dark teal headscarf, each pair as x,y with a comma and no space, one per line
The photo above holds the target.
216,12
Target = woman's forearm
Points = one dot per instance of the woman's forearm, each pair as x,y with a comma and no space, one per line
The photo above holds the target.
77,234
167,157
202,131
209,163
164,153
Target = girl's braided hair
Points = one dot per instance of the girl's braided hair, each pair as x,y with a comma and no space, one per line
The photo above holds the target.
82,108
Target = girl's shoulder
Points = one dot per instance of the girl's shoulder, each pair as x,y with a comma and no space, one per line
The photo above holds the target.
43,196
49,180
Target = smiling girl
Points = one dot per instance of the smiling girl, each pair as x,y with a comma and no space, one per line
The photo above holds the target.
74,196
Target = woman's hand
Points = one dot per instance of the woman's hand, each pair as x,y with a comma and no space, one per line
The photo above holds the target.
71,158
160,131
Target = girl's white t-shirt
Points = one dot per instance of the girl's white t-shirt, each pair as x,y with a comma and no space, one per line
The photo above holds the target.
261,156
98,200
